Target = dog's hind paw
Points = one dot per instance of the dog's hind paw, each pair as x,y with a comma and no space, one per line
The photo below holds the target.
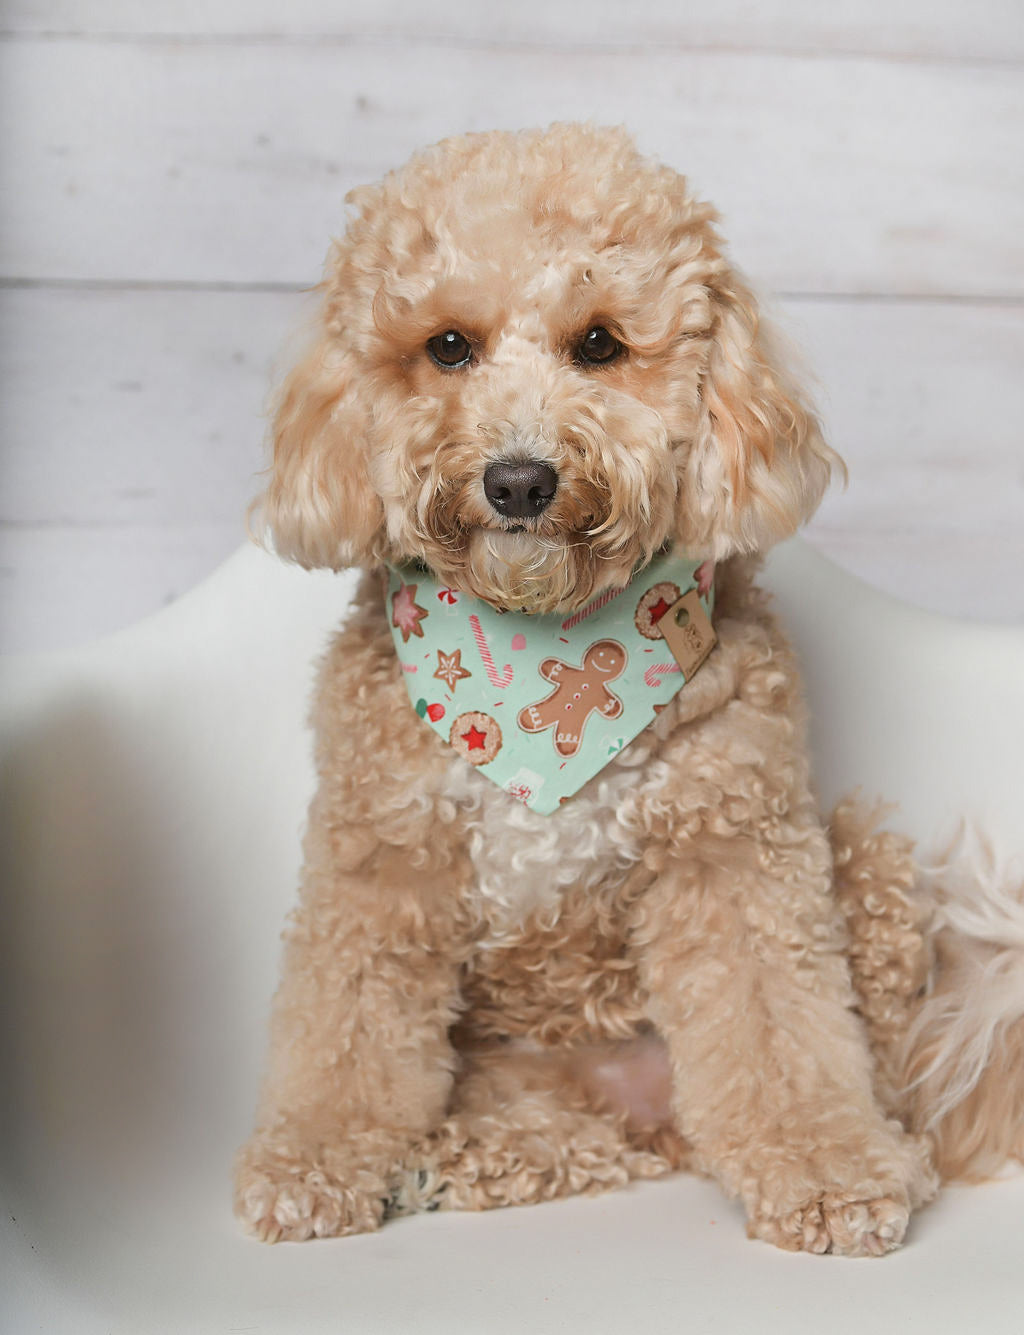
837,1224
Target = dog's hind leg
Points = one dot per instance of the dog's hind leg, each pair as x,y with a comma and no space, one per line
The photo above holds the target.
888,944
529,1124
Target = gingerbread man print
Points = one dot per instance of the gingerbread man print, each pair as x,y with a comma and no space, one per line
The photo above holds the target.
579,692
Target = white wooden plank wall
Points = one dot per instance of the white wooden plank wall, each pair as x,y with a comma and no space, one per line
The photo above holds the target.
170,174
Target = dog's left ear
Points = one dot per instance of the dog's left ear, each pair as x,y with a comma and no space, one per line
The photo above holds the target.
759,466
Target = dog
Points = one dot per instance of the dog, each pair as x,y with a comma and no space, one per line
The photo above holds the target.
569,913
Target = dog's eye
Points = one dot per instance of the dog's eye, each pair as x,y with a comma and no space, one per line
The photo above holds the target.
450,349
599,347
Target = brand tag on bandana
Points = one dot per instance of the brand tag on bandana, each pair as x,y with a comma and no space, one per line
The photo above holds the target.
686,630
540,704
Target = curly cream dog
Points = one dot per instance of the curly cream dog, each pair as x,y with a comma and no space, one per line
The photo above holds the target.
483,1004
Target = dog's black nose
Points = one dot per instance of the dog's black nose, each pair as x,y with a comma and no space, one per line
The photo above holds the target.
520,490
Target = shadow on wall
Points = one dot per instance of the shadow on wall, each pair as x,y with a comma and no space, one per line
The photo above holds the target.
133,1026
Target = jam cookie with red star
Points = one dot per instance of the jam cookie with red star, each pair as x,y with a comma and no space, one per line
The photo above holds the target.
652,607
579,692
476,737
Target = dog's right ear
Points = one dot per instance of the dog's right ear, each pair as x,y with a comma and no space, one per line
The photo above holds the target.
319,506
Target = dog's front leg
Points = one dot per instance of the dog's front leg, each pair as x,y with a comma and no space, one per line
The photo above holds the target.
741,951
360,1063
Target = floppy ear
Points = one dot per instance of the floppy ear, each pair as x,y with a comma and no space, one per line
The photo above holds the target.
759,466
319,505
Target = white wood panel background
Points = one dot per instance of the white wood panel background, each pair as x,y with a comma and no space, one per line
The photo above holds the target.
171,172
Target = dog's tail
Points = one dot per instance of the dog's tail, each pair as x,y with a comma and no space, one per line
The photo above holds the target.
963,1055
937,959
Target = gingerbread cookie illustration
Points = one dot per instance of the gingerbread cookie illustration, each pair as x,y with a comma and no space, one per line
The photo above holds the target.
476,737
450,669
705,577
579,692
652,607
406,613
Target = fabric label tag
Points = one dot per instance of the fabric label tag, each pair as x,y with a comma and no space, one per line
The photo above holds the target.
686,630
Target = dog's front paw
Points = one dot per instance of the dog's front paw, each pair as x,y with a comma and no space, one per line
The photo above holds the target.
291,1189
837,1223
844,1195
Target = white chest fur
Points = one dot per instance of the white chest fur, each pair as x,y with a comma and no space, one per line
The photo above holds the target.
524,861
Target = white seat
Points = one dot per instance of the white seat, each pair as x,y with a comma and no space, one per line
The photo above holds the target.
155,786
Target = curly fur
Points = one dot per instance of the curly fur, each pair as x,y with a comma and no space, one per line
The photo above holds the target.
697,436
483,1006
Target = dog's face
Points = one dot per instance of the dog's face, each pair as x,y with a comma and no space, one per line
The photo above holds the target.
535,369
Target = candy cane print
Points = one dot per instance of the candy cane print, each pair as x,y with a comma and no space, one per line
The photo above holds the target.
595,606
487,658
657,670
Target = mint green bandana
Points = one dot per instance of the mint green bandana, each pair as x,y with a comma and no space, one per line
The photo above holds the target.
540,704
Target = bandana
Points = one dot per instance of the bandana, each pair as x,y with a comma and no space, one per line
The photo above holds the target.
540,704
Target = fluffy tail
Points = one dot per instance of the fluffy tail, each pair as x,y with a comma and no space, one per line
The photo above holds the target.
937,962
963,1055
